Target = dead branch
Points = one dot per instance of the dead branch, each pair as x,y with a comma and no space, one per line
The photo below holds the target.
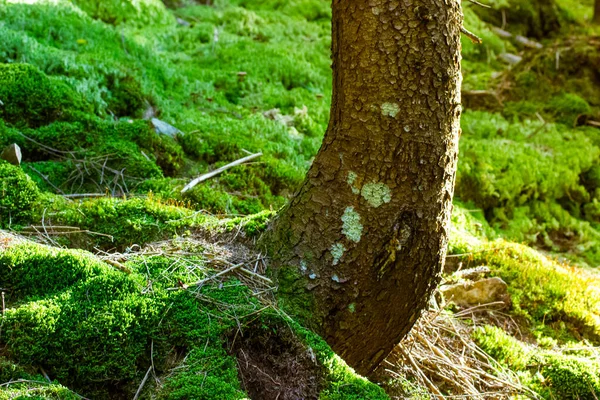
480,4
218,171
137,393
474,38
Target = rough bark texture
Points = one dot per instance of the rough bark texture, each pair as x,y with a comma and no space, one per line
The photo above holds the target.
596,19
365,238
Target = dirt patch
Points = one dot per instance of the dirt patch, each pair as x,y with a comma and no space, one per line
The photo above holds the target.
274,365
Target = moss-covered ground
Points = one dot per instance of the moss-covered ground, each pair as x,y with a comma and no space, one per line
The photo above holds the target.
80,82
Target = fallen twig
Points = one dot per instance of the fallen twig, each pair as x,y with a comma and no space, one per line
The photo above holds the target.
118,266
217,171
137,394
84,195
474,38
480,4
255,275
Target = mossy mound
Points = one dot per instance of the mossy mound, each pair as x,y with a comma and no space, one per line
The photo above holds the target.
193,85
94,156
98,330
534,181
31,98
18,195
532,18
141,221
550,298
566,73
570,375
115,12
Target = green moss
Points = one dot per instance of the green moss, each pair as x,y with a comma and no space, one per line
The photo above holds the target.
341,382
551,374
293,296
22,265
127,98
502,347
531,18
209,374
39,390
30,97
252,225
140,220
116,12
92,326
572,377
18,195
93,156
558,301
566,107
536,187
570,86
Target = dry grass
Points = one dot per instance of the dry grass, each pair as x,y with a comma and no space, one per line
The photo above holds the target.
441,361
220,260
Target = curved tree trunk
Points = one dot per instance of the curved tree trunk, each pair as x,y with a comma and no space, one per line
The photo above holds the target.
359,249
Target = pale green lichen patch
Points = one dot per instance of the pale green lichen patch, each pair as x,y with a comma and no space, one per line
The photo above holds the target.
351,179
352,307
337,251
376,194
351,227
390,109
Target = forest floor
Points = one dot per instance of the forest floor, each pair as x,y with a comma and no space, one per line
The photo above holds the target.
115,284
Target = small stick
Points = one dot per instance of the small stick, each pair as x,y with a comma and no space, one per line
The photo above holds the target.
45,375
209,175
480,4
226,271
593,123
45,178
118,266
137,394
264,278
3,305
83,195
474,38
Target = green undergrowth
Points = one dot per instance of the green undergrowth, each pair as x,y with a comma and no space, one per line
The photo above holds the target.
550,298
97,330
556,306
568,373
531,18
110,222
109,65
18,195
535,182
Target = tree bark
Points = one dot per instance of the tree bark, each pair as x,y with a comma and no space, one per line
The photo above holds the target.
359,249
596,19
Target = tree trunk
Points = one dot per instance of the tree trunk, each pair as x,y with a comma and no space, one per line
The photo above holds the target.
596,19
359,249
